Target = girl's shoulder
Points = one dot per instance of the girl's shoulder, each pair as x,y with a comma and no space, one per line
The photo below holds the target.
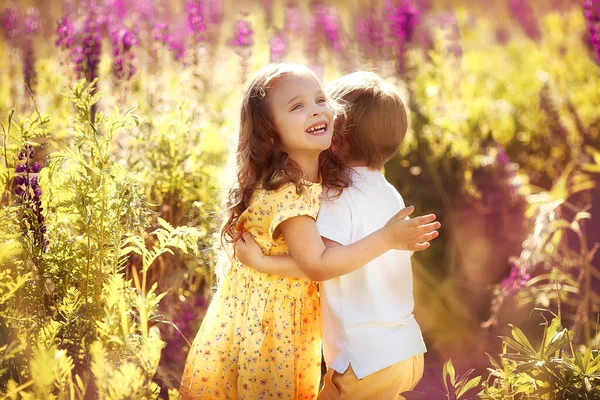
289,192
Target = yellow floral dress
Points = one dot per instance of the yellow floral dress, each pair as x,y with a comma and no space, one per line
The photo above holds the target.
261,336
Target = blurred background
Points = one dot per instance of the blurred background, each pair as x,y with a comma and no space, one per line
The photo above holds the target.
118,117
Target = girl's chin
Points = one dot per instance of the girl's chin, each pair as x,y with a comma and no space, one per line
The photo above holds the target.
325,145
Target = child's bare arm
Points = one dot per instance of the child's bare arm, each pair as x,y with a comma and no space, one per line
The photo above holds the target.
250,254
313,259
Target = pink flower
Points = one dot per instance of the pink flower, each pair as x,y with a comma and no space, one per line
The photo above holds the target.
523,12
591,12
243,34
517,279
278,48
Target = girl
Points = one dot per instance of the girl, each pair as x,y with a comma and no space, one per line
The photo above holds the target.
261,335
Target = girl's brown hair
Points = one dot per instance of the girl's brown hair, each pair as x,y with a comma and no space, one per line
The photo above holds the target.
260,159
375,121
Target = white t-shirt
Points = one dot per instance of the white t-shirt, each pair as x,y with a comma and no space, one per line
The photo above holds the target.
367,315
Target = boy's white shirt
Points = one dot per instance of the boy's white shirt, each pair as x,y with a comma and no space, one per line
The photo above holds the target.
367,315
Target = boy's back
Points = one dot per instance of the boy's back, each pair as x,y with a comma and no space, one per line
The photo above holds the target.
367,315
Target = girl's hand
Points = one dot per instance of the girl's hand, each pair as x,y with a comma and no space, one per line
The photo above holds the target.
402,233
248,252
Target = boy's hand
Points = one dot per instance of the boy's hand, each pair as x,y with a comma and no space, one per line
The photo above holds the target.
248,252
401,233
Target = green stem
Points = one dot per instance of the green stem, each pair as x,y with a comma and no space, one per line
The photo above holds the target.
6,135
118,244
102,212
587,297
87,272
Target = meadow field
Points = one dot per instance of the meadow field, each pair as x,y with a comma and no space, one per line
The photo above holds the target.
117,122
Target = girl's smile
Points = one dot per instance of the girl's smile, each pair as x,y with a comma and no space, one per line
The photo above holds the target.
320,128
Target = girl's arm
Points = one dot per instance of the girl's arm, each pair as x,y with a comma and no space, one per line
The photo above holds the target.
312,259
250,254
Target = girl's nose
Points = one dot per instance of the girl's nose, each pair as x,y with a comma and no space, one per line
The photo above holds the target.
317,112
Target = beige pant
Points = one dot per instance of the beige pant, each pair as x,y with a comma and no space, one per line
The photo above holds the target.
385,384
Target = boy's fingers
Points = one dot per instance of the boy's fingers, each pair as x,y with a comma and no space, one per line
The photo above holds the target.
427,237
419,246
405,212
428,228
422,220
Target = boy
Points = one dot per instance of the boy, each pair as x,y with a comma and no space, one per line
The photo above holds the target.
372,343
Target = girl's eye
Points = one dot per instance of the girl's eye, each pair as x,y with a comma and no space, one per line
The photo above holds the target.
321,100
296,107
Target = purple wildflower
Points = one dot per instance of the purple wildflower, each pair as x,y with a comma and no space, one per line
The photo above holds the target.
243,34
591,11
28,194
278,48
449,24
65,33
292,20
517,279
87,54
402,21
333,27
242,42
11,22
369,33
523,12
123,41
502,157
160,32
196,19
325,23
176,41
145,10
118,8
32,21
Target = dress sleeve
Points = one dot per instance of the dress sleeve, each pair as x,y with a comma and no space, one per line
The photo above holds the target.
286,204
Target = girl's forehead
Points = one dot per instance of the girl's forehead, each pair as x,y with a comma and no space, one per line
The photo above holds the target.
296,81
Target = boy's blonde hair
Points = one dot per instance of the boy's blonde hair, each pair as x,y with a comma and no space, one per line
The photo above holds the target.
375,121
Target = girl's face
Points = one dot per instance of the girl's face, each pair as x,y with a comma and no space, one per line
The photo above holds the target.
302,116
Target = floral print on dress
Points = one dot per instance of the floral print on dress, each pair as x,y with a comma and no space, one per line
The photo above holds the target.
261,336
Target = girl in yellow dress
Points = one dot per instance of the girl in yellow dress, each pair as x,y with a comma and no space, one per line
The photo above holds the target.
261,336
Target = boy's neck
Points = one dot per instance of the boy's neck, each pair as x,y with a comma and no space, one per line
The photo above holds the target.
354,164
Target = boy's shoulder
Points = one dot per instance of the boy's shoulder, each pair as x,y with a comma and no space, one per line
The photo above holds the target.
367,191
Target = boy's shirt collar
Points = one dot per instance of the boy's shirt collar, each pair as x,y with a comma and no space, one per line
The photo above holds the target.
365,172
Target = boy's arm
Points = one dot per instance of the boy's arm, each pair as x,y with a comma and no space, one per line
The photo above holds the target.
250,254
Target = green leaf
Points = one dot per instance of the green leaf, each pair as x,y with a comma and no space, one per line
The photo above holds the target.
513,344
591,168
522,339
449,372
470,385
165,225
